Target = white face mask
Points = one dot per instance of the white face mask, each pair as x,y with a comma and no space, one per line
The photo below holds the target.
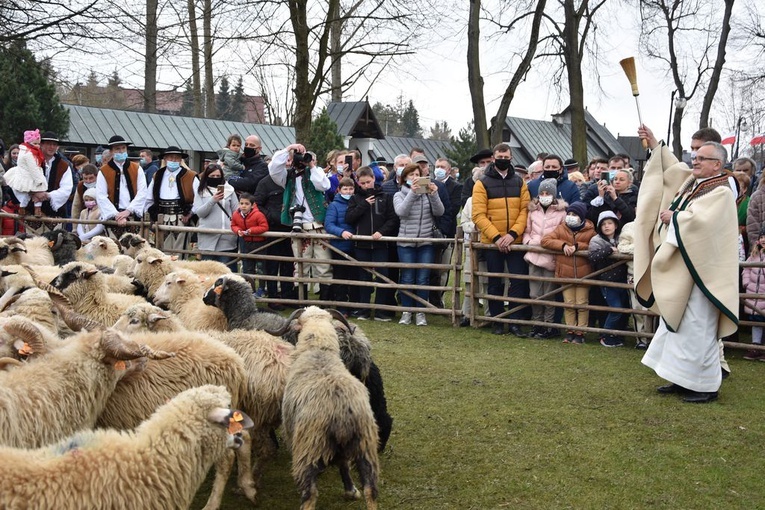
546,200
399,170
573,221
440,174
340,168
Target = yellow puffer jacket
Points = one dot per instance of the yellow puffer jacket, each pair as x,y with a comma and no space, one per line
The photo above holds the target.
500,206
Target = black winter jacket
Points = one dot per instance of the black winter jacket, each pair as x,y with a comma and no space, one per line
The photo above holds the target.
268,197
368,219
255,170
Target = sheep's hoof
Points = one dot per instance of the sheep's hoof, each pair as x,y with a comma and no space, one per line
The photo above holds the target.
353,495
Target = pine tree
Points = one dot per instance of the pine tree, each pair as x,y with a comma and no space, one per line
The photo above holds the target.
462,149
389,118
114,96
29,100
441,131
239,102
324,137
223,99
410,122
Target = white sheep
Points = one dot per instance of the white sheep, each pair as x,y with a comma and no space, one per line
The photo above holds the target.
131,244
160,465
181,292
326,413
35,304
14,278
198,361
100,251
151,266
86,288
66,390
266,359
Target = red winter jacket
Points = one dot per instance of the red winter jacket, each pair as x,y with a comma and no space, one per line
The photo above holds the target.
9,226
255,222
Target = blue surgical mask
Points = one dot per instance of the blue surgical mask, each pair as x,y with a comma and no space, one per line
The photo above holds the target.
173,165
340,168
98,159
347,197
143,161
457,175
89,185
409,182
399,170
120,157
440,174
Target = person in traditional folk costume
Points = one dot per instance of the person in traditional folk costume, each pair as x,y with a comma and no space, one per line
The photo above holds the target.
120,188
170,197
686,265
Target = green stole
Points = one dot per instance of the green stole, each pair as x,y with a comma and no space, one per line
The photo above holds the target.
314,197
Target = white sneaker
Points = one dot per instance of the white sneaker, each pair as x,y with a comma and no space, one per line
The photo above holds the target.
406,318
420,320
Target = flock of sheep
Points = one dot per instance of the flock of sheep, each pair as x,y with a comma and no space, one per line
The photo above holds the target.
126,375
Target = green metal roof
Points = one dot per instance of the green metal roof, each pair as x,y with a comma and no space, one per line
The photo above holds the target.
90,127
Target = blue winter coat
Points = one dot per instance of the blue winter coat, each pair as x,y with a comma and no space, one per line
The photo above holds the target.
567,190
335,224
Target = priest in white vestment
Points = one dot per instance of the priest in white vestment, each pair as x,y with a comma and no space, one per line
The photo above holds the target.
686,266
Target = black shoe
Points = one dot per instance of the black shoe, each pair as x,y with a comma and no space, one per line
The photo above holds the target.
498,329
672,388
700,397
549,333
275,307
536,332
725,373
464,323
515,330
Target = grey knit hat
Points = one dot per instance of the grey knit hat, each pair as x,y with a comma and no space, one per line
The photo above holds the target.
550,186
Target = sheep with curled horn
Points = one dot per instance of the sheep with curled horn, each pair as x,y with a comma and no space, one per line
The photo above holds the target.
266,359
159,465
198,360
326,413
63,245
32,250
66,390
234,297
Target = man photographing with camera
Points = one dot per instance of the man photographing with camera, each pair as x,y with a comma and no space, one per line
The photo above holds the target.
304,208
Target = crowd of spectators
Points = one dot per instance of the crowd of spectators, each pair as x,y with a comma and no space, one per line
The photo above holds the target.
578,212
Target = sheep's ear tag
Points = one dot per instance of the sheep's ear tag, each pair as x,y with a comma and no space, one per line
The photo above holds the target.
174,258
120,365
218,289
23,348
234,425
50,244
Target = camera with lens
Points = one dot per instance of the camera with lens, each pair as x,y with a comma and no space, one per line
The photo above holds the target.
297,217
300,160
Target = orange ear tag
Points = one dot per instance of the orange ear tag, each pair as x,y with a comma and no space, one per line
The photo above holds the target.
26,350
238,416
120,365
218,290
233,423
50,244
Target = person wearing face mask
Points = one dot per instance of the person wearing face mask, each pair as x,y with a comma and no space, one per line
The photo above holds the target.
120,188
255,167
617,195
148,164
170,197
500,211
88,175
552,168
336,224
391,186
546,212
571,239
90,211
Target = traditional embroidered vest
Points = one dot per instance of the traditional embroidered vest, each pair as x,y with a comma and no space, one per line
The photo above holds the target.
59,167
685,196
314,197
185,183
112,175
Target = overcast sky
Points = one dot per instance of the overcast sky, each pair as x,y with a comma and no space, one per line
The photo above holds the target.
440,90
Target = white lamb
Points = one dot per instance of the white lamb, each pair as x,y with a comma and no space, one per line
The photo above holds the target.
160,465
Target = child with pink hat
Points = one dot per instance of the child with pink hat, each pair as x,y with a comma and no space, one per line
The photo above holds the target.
27,176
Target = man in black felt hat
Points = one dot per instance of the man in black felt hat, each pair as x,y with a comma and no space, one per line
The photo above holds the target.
170,196
481,158
120,188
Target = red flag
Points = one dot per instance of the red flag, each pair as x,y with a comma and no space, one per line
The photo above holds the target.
758,139
729,139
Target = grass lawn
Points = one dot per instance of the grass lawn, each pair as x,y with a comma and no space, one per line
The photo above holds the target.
484,422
